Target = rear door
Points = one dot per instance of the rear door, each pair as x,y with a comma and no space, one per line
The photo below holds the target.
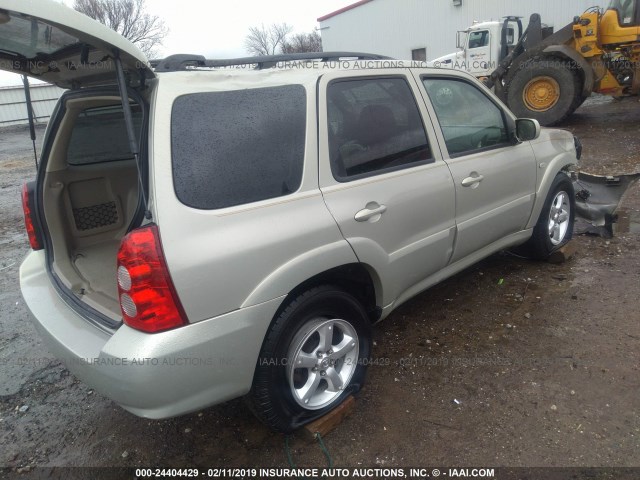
383,177
49,41
495,179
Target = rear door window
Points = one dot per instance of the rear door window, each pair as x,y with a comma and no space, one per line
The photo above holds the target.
236,147
374,127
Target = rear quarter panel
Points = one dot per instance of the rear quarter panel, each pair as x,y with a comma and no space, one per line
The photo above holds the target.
231,258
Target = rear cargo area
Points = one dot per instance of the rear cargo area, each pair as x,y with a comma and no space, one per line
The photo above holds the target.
89,199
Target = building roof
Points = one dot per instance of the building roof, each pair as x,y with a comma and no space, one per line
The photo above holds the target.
342,10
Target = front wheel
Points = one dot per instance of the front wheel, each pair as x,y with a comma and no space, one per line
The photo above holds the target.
554,228
313,358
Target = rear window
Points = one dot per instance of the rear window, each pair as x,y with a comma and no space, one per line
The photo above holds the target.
237,147
100,135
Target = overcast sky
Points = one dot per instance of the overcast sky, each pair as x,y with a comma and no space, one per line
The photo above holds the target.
217,29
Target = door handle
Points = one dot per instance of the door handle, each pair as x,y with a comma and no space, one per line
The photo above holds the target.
472,181
371,213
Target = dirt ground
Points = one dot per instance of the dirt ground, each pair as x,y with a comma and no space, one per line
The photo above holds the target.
510,363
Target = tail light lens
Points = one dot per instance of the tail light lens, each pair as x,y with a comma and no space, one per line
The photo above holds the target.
29,223
148,299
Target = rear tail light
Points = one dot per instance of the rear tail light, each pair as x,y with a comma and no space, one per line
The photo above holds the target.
29,220
148,299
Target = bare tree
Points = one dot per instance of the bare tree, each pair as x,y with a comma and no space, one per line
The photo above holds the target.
130,19
266,41
303,42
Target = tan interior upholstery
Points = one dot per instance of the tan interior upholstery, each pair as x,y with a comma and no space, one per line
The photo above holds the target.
88,209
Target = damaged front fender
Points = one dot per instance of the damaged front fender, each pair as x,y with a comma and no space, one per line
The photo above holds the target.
555,152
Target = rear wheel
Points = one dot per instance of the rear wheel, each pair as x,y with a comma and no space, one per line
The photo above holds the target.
548,90
313,358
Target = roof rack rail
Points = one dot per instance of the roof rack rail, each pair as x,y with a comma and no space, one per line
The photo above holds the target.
179,62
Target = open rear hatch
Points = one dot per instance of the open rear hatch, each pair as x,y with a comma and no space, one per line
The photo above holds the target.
52,42
91,185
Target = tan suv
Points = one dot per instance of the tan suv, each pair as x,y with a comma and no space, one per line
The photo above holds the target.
204,230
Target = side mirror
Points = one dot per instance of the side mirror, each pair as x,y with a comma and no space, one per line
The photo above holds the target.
461,37
527,129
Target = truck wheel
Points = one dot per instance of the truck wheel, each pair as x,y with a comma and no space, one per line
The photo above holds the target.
545,89
554,228
312,359
579,101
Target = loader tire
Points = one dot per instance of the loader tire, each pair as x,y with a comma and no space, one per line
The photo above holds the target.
545,88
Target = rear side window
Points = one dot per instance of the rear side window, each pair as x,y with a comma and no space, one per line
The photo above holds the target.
237,147
100,135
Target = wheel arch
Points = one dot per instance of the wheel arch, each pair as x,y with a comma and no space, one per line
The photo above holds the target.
354,278
563,163
334,263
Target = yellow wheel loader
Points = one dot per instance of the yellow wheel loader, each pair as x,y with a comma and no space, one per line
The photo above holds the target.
547,76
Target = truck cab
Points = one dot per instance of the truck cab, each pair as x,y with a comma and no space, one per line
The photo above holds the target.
620,23
482,46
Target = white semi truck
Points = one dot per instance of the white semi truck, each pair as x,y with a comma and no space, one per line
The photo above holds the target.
482,46
547,75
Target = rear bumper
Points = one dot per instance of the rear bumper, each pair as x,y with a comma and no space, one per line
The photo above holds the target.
151,375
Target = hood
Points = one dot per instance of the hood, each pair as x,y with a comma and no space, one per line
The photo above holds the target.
447,61
52,42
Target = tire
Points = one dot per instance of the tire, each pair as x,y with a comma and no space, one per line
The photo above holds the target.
581,100
285,397
559,86
554,228
578,101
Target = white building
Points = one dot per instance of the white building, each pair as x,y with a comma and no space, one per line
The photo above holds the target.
13,105
398,28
